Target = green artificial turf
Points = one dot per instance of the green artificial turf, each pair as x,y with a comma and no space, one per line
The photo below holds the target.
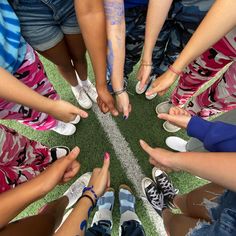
93,142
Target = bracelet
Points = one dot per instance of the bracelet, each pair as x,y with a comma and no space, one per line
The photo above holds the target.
88,197
91,190
179,73
146,64
118,92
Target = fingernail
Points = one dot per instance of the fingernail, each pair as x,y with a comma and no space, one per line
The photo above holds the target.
125,117
75,149
106,156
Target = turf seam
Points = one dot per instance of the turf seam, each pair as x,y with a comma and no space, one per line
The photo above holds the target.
128,162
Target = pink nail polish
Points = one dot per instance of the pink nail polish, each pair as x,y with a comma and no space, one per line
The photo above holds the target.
107,155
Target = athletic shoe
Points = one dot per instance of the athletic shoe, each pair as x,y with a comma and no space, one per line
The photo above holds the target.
141,91
176,143
81,97
105,206
76,120
58,152
64,128
150,97
154,195
163,107
165,185
91,91
170,127
74,192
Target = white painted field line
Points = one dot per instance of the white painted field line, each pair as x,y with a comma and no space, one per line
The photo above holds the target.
128,162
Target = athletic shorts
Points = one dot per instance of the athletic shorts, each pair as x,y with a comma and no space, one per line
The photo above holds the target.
45,22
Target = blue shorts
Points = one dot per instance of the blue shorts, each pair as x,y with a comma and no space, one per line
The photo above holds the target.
223,216
45,22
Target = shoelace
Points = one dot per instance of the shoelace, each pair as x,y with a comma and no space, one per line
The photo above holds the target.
167,186
89,89
157,199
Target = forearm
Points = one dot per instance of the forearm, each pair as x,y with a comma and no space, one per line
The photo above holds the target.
15,200
209,32
115,22
12,90
76,222
91,17
156,16
217,167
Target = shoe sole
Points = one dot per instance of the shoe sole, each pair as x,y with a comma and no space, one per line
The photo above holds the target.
126,187
143,184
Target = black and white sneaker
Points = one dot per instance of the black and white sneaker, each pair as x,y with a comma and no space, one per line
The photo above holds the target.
154,196
165,185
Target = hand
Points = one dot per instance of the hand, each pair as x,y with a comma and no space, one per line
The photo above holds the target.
162,83
143,75
159,157
60,171
65,111
100,179
177,116
106,102
123,104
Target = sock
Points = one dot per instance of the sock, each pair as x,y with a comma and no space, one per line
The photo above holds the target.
85,82
77,87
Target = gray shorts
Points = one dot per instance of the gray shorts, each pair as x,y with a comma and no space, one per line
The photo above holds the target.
45,22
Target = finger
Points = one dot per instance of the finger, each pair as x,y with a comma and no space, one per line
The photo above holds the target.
126,112
106,163
82,113
73,154
112,109
143,82
109,180
180,121
71,172
153,90
146,147
78,111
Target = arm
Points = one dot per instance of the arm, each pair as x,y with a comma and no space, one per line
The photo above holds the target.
61,170
216,136
115,22
216,167
12,90
91,18
156,16
210,30
76,222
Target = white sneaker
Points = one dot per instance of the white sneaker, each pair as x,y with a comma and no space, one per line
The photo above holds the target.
91,91
140,91
170,128
75,190
176,143
64,128
163,107
58,152
76,120
150,97
81,97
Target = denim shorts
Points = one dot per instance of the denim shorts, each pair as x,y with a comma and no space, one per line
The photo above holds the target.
45,22
223,216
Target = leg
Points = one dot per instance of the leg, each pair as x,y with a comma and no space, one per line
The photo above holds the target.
21,159
44,223
135,19
177,225
32,74
192,204
219,97
194,145
77,51
202,70
59,55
